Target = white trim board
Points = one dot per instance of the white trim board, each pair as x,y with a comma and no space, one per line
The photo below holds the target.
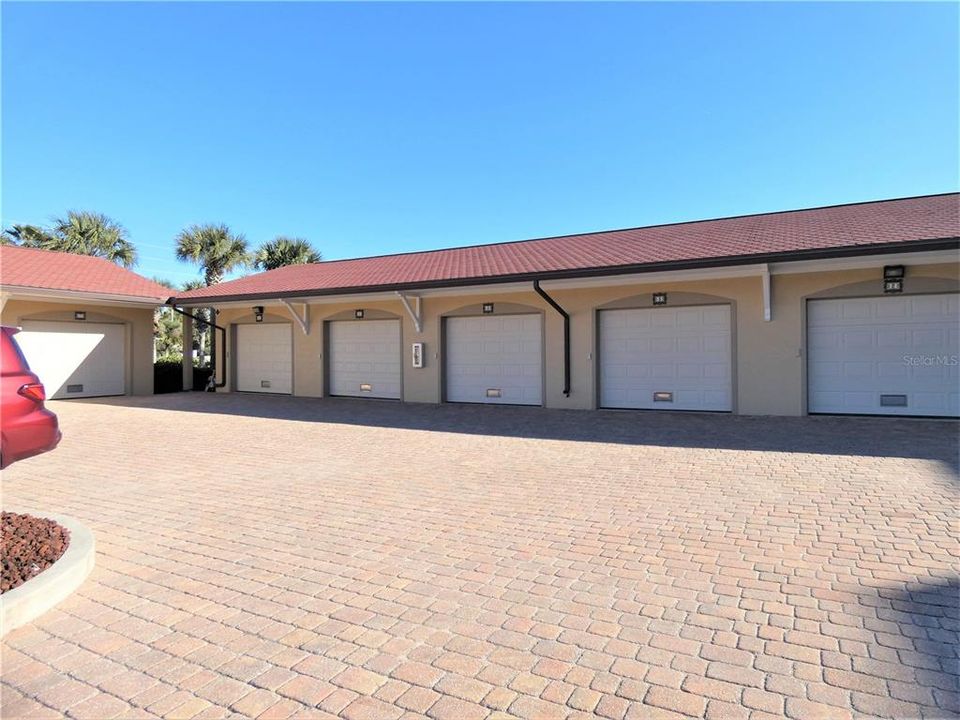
72,297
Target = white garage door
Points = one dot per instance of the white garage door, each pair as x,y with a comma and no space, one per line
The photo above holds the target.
494,359
76,359
893,355
666,358
265,358
364,358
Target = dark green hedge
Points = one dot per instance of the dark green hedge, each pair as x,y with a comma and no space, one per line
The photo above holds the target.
200,377
168,377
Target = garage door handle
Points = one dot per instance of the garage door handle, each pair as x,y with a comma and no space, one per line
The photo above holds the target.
366,387
494,392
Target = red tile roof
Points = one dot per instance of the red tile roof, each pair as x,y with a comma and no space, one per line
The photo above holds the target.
849,228
47,270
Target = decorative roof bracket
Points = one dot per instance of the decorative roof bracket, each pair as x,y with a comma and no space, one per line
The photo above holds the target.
417,316
302,321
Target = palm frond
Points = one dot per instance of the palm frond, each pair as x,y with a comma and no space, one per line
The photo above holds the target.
214,248
282,251
90,233
27,236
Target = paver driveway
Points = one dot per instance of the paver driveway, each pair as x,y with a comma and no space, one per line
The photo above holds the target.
279,557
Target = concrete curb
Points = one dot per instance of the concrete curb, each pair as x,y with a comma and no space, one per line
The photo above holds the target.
30,600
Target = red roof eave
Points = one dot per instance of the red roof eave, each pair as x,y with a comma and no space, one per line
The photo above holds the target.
45,272
929,222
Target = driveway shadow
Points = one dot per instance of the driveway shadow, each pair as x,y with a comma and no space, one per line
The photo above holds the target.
914,648
936,440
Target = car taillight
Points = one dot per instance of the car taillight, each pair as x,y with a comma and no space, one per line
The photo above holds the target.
33,391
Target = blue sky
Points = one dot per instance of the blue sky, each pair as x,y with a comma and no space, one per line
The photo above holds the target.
377,128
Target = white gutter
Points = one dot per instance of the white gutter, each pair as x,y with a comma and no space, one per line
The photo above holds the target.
767,302
14,292
927,257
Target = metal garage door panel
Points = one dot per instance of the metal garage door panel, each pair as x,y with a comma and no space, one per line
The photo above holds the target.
684,351
265,358
364,358
869,356
494,359
74,359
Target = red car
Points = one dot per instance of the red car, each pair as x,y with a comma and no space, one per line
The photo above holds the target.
26,426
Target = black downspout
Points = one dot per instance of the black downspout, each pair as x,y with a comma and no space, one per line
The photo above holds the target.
566,335
213,347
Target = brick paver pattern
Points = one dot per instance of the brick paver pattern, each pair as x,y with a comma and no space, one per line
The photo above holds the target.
285,557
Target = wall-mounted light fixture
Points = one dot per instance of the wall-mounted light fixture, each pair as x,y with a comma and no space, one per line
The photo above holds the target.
893,278
358,314
487,308
893,271
258,313
660,298
80,315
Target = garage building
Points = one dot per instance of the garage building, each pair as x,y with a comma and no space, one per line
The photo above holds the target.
848,309
86,325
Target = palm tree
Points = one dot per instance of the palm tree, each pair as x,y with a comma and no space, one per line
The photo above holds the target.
283,251
82,233
89,233
214,248
26,236
192,285
166,328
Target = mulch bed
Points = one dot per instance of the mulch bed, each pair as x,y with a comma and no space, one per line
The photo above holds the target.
28,546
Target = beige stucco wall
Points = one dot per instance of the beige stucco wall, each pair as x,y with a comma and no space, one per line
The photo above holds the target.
768,360
772,357
139,331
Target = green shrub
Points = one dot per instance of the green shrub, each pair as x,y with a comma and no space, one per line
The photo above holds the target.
200,377
167,376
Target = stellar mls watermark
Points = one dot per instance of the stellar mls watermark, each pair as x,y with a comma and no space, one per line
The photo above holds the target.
931,360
